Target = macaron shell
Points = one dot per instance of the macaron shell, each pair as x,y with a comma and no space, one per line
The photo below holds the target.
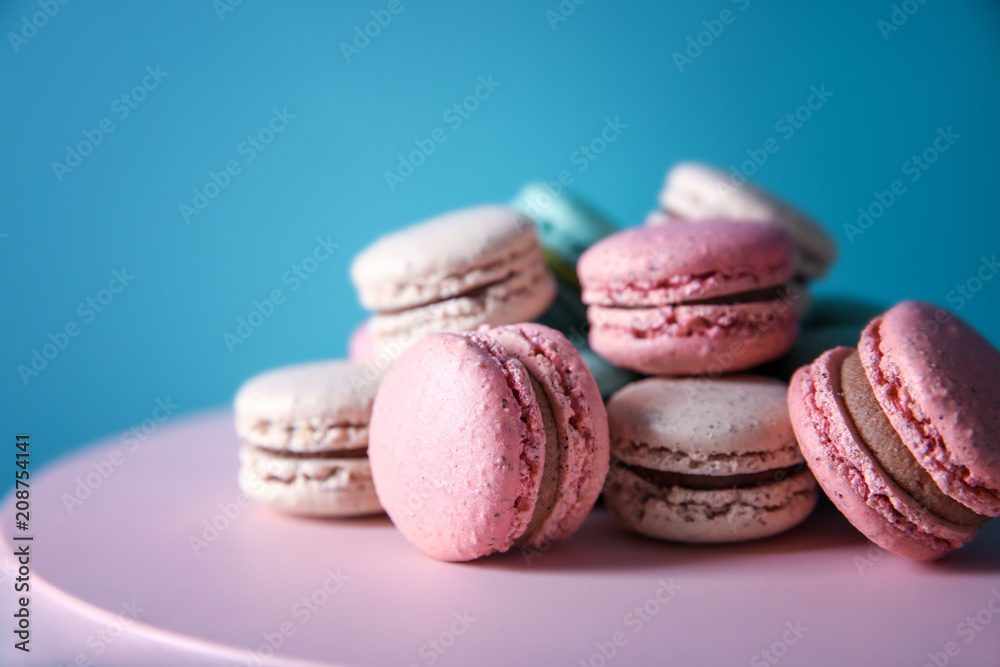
523,296
580,416
444,257
941,392
324,487
698,191
850,475
456,447
693,339
709,516
314,407
566,225
684,261
360,346
733,425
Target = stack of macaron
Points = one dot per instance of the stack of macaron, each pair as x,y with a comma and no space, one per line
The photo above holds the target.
711,286
472,411
304,430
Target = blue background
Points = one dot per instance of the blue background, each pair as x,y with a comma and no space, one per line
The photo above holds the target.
324,175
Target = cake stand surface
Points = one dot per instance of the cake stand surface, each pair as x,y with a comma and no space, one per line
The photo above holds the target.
165,562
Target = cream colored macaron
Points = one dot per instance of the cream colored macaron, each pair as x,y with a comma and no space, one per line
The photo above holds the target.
695,191
696,460
455,272
305,438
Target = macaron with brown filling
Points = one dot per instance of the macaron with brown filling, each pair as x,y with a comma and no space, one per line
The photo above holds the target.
697,460
304,430
903,433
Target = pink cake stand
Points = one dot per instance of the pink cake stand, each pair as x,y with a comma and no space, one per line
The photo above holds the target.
165,563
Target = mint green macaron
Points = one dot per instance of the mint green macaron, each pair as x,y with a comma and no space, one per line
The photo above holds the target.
566,226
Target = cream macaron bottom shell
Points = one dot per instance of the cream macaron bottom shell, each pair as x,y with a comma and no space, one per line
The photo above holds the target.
686,514
308,485
522,296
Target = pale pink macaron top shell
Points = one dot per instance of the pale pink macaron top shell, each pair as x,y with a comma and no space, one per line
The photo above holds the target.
939,384
454,464
685,261
870,499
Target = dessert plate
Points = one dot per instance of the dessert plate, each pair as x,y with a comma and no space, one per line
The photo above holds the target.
151,555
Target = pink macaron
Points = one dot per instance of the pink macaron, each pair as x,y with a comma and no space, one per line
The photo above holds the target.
484,441
903,433
691,297
361,345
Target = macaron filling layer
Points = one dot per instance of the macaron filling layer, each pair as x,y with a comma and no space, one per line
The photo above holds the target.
303,435
359,453
472,300
665,478
640,292
781,292
269,466
548,489
885,445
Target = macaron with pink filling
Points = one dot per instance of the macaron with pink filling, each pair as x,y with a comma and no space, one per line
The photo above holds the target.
903,433
485,441
691,297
